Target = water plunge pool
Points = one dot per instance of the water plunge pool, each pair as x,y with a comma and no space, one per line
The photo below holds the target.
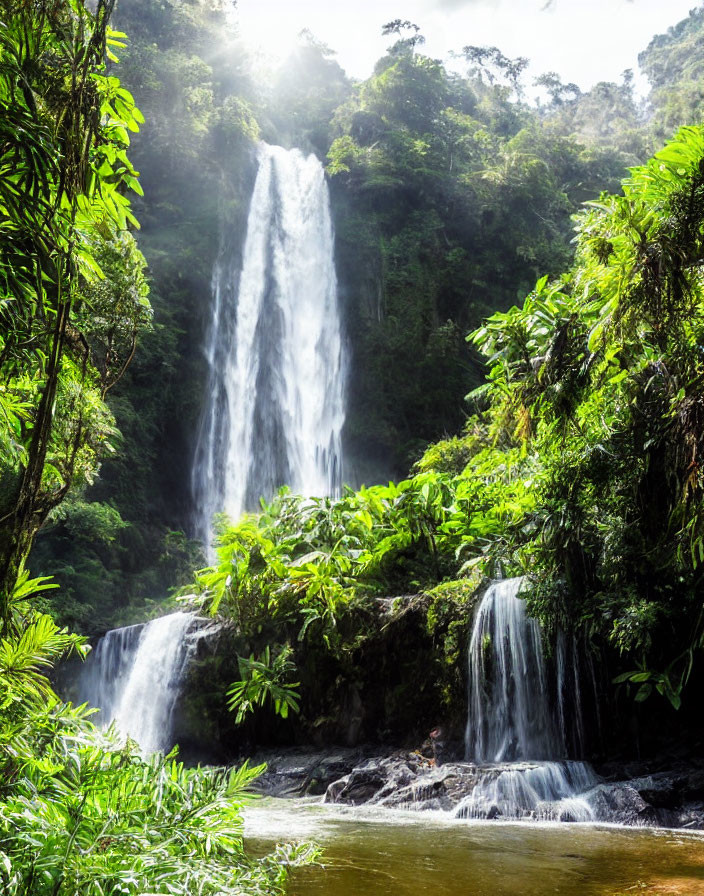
384,853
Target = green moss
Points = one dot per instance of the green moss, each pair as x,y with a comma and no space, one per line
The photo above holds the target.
450,600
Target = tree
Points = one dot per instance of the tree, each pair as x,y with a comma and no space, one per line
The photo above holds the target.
673,64
404,45
558,92
63,165
490,63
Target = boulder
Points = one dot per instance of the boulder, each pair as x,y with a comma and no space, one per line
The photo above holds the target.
359,786
299,772
619,803
405,781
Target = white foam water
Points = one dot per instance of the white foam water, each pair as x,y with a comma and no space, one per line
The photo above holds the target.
548,791
276,395
134,677
515,733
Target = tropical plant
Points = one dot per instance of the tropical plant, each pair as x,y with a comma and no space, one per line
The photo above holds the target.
264,681
83,813
80,815
63,169
599,376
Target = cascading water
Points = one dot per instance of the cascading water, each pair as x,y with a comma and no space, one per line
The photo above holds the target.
508,715
274,414
513,732
275,406
134,677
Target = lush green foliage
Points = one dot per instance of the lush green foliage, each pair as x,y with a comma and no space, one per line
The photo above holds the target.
456,196
600,375
264,681
673,65
82,814
581,466
66,338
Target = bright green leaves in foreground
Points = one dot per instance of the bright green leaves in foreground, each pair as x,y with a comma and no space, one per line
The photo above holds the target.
27,655
82,815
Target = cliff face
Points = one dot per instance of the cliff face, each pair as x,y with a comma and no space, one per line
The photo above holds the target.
398,673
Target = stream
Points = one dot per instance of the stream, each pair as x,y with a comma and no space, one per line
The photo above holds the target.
409,854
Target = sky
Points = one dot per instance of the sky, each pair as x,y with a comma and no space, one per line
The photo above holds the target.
584,41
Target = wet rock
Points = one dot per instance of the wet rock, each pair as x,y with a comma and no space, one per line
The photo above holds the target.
398,779
335,790
359,786
619,803
298,772
405,782
661,818
426,790
674,795
693,787
327,770
662,790
459,780
413,781
692,819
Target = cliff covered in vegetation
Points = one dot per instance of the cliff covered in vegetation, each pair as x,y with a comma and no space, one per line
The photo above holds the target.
580,469
451,196
575,461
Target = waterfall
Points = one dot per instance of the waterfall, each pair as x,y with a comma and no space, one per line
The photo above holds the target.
548,791
515,730
509,717
134,677
275,402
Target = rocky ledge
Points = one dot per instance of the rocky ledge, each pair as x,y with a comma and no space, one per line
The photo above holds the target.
558,791
300,772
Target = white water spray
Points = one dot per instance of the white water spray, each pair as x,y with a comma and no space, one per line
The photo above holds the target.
514,731
134,677
508,715
275,406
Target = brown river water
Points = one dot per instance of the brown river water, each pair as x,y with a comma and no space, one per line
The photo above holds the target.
414,854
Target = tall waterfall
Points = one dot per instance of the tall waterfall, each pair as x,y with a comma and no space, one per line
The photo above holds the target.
275,405
134,677
515,731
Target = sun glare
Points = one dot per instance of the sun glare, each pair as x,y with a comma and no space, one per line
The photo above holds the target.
556,37
272,34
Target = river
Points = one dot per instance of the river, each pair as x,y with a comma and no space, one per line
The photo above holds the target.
409,854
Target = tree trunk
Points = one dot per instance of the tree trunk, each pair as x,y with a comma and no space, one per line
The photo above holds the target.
21,523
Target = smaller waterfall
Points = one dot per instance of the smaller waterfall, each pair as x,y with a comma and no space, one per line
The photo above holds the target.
548,791
134,677
509,717
515,731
